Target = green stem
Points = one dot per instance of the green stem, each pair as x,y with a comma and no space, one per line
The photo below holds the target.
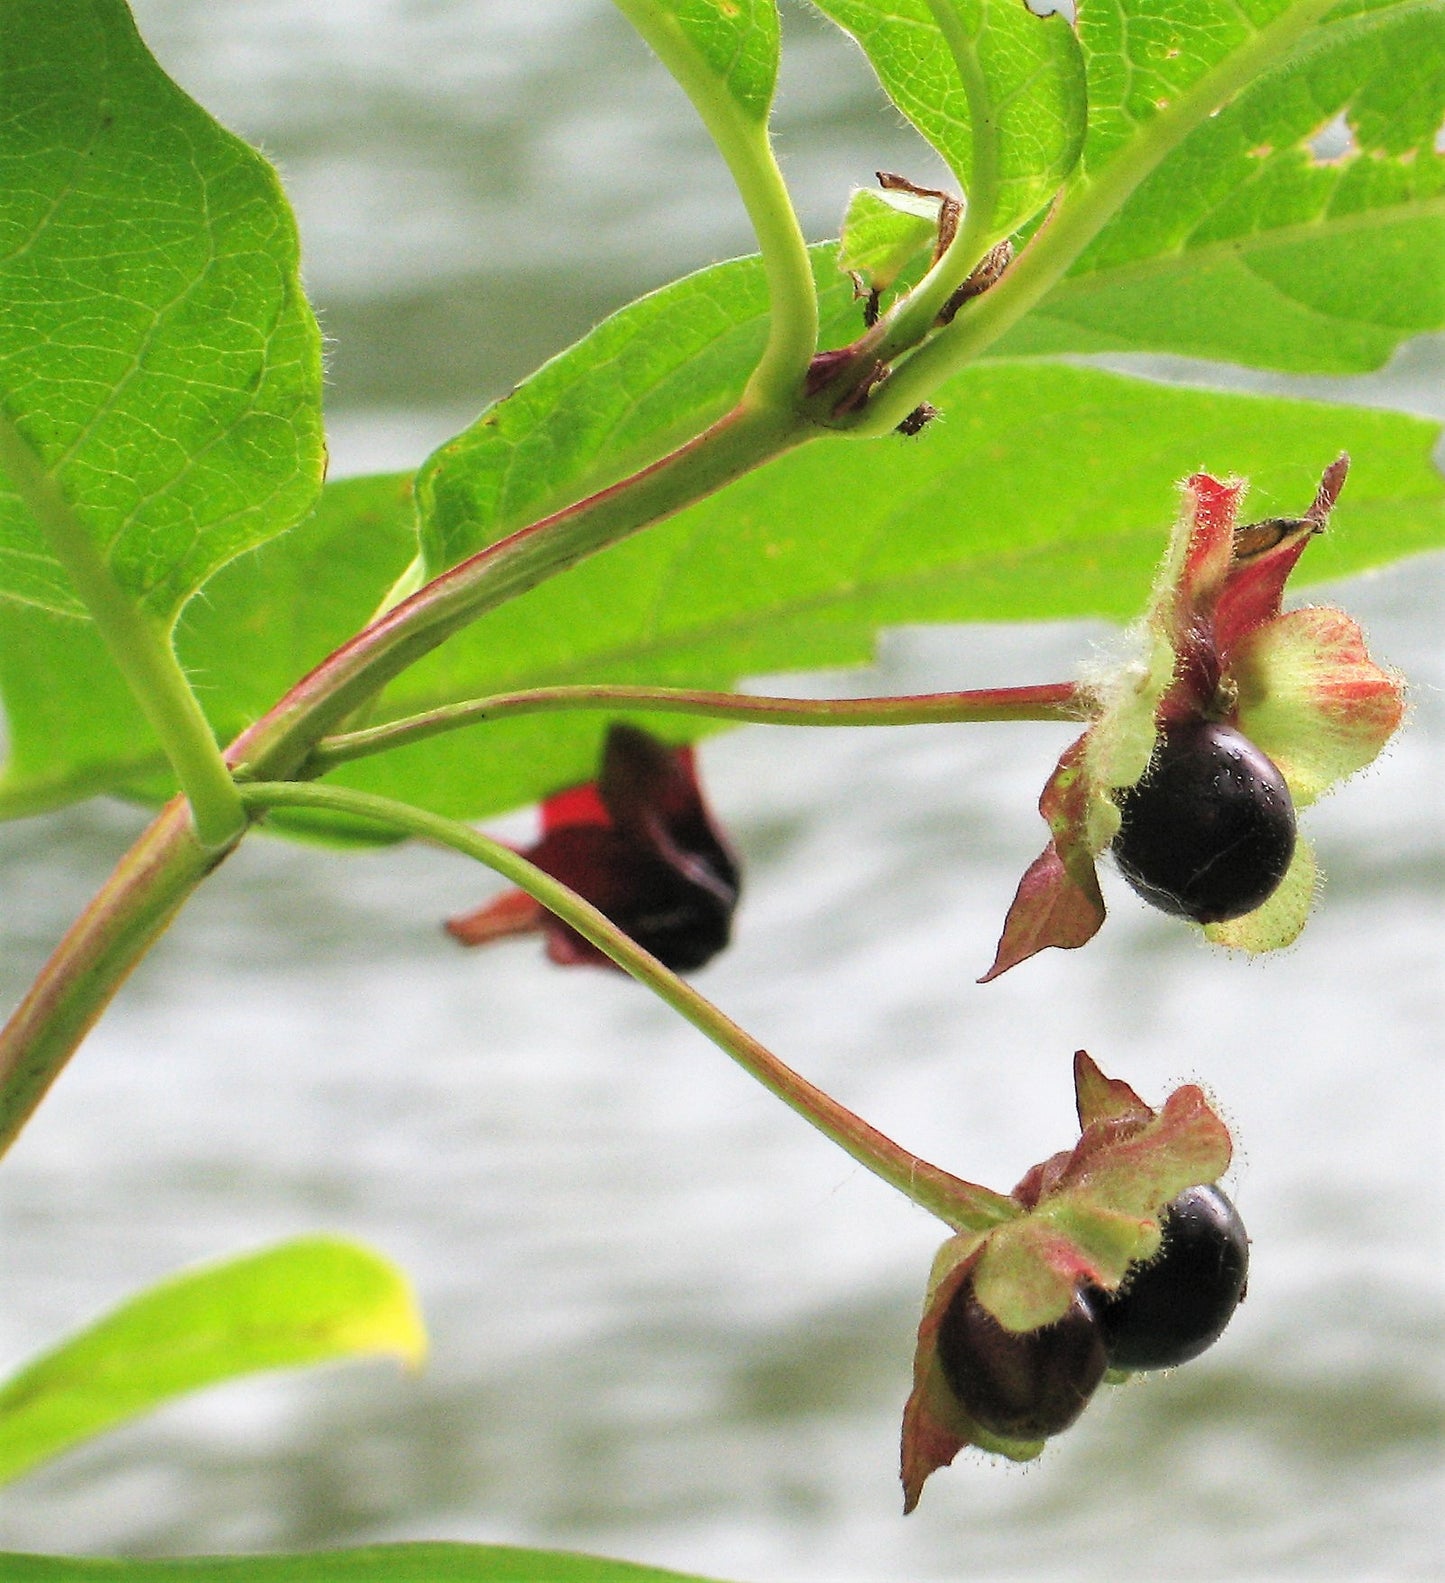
743,142
1052,701
1087,207
959,1203
99,950
279,743
139,647
792,291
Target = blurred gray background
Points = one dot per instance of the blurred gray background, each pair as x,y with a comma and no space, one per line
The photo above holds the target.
669,1322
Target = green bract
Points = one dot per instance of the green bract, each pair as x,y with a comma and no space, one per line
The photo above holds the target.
883,232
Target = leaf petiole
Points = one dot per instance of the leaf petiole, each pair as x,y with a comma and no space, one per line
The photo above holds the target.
1050,701
742,140
914,316
958,1203
141,650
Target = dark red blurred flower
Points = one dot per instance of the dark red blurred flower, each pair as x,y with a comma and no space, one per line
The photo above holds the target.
641,846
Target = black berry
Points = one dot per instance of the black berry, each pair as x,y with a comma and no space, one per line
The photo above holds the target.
1020,1385
1209,832
1178,1304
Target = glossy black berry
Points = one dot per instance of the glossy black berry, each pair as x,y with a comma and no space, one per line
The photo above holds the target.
1020,1385
1179,1303
1209,832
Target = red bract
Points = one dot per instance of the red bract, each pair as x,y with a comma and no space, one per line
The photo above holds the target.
1213,646
640,845
1007,1353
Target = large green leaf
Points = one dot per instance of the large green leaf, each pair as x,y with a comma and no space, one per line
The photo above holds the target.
156,352
1026,81
415,1563
1250,244
302,1302
1045,491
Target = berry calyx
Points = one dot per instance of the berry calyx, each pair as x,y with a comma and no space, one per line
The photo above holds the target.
1020,1385
1177,1305
1209,832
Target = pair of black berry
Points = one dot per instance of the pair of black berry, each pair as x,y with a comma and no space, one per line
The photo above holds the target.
1026,1386
1209,832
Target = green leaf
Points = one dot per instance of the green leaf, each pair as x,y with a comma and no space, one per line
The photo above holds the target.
263,621
1248,243
1045,491
1024,85
414,1563
266,619
733,41
302,1302
156,352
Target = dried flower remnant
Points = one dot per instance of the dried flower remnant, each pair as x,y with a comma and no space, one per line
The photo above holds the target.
1198,753
641,846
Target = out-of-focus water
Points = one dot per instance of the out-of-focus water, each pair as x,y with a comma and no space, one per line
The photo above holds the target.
668,1322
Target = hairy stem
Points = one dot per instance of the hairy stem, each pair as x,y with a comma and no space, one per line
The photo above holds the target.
953,1200
1052,701
913,316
